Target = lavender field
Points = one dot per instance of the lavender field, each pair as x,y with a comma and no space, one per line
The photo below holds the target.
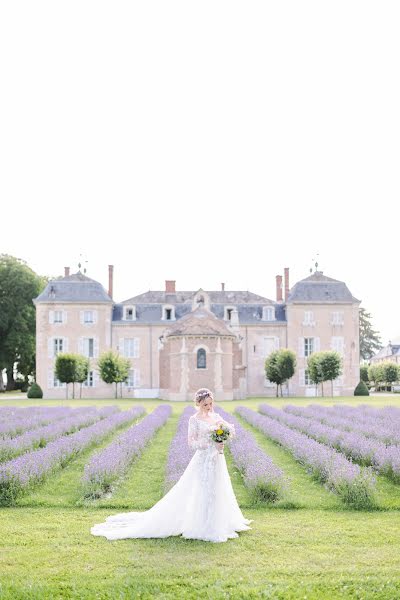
320,482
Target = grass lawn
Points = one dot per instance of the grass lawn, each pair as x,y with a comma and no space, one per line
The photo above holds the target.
306,546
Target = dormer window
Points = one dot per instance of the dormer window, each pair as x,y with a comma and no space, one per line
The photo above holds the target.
168,313
268,313
129,313
228,312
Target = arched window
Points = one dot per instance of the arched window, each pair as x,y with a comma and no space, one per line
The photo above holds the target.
201,358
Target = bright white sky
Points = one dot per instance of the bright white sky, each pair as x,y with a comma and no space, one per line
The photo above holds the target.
204,142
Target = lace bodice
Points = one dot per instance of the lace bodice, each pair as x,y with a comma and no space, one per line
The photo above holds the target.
199,432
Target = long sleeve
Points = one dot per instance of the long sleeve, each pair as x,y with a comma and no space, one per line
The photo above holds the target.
196,441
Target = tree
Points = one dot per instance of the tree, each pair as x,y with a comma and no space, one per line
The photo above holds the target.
113,368
370,341
67,370
364,374
376,375
83,371
280,367
315,370
324,366
390,373
18,286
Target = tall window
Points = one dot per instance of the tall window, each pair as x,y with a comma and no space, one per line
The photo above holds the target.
89,382
201,358
131,347
337,318
88,347
337,344
58,346
308,318
58,316
307,380
308,346
88,316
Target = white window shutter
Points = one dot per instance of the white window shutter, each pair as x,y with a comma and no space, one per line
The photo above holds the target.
95,316
51,316
302,377
277,343
50,379
317,344
121,348
95,347
65,345
136,378
81,346
136,348
64,316
301,347
50,347
94,378
82,316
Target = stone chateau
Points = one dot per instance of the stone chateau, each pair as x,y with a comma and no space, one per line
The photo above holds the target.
178,341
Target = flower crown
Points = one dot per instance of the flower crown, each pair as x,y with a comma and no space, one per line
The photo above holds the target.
202,394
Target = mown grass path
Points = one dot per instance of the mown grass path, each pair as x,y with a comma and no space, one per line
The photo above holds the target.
319,551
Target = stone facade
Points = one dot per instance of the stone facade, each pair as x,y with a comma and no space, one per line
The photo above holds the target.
178,341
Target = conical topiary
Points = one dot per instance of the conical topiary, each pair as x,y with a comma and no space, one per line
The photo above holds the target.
361,389
35,391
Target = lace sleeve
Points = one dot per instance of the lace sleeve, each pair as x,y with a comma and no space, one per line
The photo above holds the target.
194,440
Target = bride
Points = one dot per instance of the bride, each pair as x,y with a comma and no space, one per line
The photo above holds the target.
201,505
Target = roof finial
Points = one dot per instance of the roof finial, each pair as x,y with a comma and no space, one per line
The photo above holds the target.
315,263
80,264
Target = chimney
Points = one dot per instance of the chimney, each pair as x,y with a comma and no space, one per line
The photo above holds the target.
286,271
110,280
66,271
279,288
222,287
169,286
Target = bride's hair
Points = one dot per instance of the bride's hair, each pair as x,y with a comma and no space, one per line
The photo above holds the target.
202,394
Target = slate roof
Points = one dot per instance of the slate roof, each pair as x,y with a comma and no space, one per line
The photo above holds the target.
389,350
74,288
320,288
199,322
216,297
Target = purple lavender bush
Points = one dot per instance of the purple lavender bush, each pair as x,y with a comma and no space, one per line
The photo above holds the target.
21,474
264,480
355,486
109,464
180,453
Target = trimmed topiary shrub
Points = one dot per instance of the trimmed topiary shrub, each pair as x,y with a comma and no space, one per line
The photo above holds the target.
361,389
35,391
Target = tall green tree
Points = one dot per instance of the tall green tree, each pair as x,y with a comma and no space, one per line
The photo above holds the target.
376,375
390,373
113,368
280,367
67,370
370,341
18,286
324,366
315,369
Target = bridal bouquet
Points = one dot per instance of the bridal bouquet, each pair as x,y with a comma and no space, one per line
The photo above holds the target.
220,433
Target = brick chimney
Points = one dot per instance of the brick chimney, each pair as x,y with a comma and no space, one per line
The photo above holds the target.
169,286
279,288
66,271
286,271
110,280
222,287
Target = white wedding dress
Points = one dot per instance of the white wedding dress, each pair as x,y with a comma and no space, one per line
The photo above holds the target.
201,505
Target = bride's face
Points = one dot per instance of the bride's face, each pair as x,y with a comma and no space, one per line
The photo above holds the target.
207,405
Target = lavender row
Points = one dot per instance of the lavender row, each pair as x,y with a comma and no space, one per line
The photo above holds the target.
354,485
265,481
385,428
20,474
20,420
109,464
362,449
40,436
180,453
